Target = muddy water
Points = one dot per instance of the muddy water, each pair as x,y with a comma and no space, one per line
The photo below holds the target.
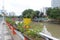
54,29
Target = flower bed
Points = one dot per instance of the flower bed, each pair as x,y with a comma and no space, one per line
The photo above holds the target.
29,31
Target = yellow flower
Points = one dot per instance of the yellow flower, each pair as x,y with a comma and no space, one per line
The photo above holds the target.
27,21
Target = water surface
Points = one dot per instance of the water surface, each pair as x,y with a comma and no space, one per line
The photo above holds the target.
54,29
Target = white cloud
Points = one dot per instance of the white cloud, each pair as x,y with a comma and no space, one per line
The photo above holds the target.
19,5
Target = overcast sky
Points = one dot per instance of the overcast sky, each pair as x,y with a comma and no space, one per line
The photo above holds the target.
18,6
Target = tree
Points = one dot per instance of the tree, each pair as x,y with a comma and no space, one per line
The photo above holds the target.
37,13
0,15
41,14
53,13
29,13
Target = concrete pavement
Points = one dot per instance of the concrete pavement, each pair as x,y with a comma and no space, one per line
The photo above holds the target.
4,33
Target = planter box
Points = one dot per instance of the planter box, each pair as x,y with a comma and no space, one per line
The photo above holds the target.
25,37
30,38
21,35
16,31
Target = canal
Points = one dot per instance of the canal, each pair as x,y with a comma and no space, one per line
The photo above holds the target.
54,29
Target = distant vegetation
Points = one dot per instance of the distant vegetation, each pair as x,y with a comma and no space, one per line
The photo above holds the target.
54,13
0,15
30,13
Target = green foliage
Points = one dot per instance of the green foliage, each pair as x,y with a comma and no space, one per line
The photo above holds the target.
53,13
30,13
20,27
37,14
34,30
10,21
31,33
0,15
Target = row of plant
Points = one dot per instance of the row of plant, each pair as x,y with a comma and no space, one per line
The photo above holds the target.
30,31
9,20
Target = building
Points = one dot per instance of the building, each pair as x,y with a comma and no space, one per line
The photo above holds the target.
44,10
11,14
55,3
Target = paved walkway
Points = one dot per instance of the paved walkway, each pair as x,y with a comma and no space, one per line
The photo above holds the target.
14,37
5,33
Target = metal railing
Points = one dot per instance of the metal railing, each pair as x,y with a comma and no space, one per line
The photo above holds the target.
47,36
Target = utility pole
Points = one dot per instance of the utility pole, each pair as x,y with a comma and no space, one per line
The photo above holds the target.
3,11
